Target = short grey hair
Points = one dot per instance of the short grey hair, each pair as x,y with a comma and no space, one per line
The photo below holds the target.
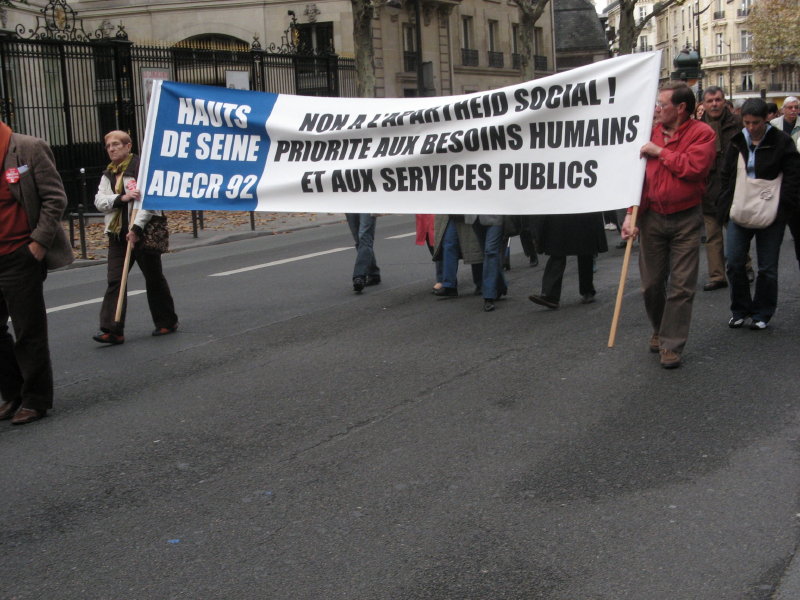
791,99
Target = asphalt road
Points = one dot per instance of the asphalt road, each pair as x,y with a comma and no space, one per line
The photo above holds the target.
297,441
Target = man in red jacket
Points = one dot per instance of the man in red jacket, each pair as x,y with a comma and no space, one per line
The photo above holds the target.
680,154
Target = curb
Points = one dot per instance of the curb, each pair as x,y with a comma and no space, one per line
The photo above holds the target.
212,240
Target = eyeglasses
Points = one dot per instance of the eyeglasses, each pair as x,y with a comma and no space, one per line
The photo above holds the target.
663,105
790,107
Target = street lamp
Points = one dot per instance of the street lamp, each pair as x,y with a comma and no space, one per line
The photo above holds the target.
699,55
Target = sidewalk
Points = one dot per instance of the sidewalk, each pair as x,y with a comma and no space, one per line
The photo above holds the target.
219,227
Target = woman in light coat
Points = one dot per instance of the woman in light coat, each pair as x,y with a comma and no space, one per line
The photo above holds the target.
115,197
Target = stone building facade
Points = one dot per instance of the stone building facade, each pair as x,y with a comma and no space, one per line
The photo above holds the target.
718,30
466,45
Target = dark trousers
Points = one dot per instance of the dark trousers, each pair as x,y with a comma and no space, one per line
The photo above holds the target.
794,227
761,305
159,298
554,275
26,374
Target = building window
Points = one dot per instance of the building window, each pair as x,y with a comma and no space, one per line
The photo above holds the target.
469,56
315,37
516,57
466,32
495,57
721,80
746,39
492,35
747,82
719,43
744,9
538,36
410,56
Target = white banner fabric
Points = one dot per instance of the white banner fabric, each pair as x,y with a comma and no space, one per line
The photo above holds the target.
567,143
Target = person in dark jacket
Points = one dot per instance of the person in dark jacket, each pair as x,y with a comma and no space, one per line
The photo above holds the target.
766,153
581,235
725,124
32,240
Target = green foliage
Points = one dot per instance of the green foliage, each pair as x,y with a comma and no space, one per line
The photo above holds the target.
775,25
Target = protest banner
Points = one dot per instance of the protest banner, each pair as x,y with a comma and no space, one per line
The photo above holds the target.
566,143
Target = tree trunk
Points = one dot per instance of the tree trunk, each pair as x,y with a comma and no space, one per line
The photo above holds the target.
627,27
365,53
529,13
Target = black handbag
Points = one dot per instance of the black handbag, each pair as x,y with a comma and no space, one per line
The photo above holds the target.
155,237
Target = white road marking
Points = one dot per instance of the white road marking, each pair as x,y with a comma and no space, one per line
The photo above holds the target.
279,262
402,235
85,302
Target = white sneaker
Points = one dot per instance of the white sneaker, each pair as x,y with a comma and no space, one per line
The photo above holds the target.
611,227
756,325
736,322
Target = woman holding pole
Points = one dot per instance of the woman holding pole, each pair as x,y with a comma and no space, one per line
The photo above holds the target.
115,197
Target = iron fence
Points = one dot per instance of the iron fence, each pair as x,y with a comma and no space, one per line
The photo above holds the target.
71,92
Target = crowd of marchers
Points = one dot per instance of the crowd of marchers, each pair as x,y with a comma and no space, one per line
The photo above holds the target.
715,173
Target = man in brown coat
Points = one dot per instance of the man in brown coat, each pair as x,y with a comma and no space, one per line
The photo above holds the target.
32,240
726,125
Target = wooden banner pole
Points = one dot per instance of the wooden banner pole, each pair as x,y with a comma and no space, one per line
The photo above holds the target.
124,281
622,277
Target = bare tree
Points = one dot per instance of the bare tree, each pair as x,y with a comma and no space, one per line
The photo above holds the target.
529,13
630,29
365,52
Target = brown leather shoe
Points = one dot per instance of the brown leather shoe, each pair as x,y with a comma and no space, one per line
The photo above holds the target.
27,415
670,359
715,285
7,409
654,343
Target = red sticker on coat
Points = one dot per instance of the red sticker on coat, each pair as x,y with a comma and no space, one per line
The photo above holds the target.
131,185
12,175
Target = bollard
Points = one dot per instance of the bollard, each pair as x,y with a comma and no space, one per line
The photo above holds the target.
194,224
252,221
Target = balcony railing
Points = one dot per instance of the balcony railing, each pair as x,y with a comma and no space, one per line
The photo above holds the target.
469,57
539,62
743,12
516,61
496,59
784,87
643,48
740,56
410,62
719,14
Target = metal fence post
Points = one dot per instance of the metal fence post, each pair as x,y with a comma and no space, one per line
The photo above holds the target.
81,207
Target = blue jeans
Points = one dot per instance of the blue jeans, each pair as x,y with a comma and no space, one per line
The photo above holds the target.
451,250
362,226
491,240
762,305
